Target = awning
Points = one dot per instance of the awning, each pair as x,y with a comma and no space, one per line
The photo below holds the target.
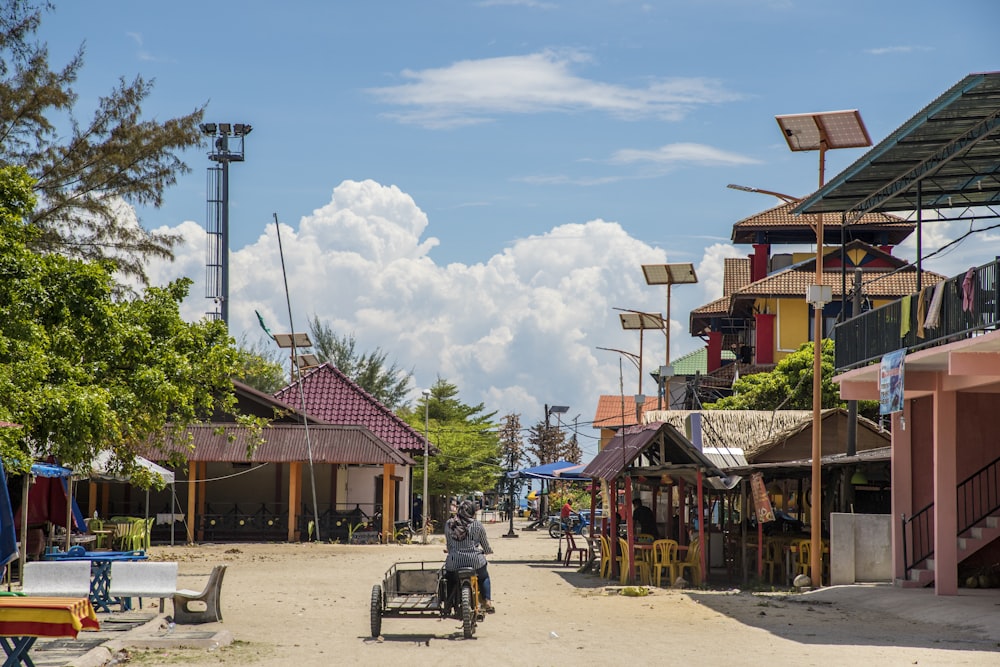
50,470
99,469
558,470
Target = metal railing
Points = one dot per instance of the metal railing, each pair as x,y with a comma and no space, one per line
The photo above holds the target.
978,496
921,534
970,304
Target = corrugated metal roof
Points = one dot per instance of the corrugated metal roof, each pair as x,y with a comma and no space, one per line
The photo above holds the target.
285,443
657,446
948,148
334,398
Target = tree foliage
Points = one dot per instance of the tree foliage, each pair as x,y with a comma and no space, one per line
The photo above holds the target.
81,371
84,171
260,366
469,457
790,386
387,383
546,443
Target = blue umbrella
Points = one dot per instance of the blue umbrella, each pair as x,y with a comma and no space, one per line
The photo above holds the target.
8,539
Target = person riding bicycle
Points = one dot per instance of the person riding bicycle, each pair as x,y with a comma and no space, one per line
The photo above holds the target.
467,546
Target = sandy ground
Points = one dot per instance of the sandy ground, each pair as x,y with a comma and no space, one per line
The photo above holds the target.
308,604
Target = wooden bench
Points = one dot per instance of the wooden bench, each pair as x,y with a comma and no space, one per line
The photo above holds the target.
143,579
53,578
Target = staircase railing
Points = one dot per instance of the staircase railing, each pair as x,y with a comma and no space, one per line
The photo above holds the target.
922,537
978,495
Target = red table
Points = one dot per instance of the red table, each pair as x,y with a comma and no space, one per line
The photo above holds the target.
25,619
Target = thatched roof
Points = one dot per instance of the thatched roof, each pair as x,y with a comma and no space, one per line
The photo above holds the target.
753,431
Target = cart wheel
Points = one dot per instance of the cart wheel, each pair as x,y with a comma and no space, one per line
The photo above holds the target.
555,530
376,611
468,613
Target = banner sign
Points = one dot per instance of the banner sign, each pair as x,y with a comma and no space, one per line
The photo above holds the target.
890,382
765,513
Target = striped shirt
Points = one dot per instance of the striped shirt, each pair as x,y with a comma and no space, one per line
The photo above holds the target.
467,553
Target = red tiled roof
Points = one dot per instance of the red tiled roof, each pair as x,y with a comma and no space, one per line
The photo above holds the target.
875,284
778,224
735,274
609,410
334,398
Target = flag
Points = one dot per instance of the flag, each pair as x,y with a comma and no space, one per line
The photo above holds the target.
264,326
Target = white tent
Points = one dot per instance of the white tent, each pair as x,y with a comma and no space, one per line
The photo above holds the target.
99,470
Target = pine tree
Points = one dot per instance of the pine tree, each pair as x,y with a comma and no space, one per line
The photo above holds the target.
387,383
85,173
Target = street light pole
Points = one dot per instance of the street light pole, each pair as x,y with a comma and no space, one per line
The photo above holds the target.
427,441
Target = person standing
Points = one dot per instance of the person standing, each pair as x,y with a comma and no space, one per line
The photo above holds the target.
467,545
643,519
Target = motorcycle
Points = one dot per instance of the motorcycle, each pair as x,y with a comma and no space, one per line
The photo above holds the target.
576,524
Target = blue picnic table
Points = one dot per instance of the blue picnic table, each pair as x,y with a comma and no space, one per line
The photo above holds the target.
100,572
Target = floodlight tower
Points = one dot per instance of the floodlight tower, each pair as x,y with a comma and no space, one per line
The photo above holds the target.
227,146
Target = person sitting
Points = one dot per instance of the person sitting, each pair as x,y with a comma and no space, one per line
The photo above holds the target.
566,512
467,545
643,519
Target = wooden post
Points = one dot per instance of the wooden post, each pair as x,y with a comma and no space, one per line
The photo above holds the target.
192,483
91,499
202,497
388,501
294,499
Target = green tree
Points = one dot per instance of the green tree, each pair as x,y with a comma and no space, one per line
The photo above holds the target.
469,456
387,383
790,386
81,371
546,443
84,171
261,366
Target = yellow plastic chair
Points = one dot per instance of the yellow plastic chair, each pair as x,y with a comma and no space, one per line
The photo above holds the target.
605,571
665,558
96,524
642,569
772,558
692,564
804,548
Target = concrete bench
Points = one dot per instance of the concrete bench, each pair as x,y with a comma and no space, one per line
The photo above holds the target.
143,579
70,578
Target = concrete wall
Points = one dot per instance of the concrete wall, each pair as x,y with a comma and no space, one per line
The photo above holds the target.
860,548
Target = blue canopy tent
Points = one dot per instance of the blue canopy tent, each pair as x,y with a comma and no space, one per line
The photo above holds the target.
562,471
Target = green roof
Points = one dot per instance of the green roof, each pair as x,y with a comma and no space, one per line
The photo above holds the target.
697,362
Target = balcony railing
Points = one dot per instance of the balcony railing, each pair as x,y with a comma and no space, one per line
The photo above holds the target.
964,312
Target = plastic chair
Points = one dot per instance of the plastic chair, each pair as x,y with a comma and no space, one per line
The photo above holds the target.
605,571
210,597
642,569
664,558
772,558
572,548
804,548
692,564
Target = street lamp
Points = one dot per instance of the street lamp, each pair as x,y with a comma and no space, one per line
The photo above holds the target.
822,132
427,401
668,274
635,319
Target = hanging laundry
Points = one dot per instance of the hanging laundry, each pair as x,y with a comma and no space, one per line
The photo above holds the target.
968,289
922,310
904,315
934,311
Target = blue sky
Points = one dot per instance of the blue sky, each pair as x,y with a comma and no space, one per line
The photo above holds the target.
472,186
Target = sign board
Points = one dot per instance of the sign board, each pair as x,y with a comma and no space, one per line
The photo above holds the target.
761,503
890,382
